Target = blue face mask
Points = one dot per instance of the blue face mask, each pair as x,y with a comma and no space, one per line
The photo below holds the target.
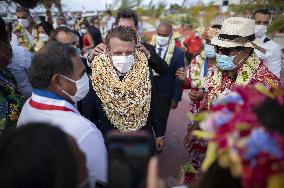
78,51
209,51
225,62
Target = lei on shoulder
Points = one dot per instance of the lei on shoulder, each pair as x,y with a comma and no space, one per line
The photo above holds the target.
238,140
197,65
23,38
126,102
245,75
170,50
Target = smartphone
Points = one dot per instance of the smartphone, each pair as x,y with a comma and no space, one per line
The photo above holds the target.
128,157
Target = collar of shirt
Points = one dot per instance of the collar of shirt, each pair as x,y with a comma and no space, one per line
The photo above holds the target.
46,100
163,47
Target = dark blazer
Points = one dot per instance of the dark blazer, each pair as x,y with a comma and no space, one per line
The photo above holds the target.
96,35
156,62
93,110
168,84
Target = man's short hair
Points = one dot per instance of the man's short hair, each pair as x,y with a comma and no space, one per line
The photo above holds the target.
54,33
261,11
53,58
23,9
123,33
128,14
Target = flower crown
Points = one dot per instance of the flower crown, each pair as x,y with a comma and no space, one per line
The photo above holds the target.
238,140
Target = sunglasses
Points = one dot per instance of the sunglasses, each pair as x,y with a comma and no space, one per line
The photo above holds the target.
227,51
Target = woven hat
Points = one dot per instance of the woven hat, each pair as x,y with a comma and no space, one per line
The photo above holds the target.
236,32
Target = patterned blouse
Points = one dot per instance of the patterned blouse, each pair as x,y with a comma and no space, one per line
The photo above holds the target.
11,101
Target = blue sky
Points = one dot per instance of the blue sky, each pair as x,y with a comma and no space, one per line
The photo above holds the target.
100,4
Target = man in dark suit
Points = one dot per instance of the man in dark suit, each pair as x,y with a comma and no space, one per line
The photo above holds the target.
128,18
168,87
121,45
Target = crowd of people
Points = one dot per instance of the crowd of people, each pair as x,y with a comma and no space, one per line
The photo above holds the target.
64,89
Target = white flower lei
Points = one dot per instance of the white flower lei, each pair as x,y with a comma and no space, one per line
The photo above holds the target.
170,50
245,74
127,102
196,81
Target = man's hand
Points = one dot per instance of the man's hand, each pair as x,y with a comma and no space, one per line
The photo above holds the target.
100,48
180,74
174,104
196,95
160,144
142,48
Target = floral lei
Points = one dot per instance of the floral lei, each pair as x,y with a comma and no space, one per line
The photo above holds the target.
23,38
127,102
245,75
196,81
170,50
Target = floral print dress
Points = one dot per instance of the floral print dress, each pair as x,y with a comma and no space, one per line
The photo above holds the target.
11,101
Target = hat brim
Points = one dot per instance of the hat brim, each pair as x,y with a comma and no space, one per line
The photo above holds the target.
231,44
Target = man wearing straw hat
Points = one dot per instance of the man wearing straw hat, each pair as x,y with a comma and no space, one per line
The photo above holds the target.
236,62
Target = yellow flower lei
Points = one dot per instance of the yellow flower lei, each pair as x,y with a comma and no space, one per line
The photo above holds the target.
245,74
23,39
196,82
170,50
127,102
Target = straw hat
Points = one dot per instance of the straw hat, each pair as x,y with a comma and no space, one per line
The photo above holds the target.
237,32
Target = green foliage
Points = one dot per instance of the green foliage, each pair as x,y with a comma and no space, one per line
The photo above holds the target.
277,25
159,10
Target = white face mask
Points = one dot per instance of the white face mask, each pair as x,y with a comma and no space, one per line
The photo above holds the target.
260,30
83,31
162,41
82,86
24,22
43,37
123,63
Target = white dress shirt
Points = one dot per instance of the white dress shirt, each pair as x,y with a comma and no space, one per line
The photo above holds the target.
164,50
86,134
21,62
272,57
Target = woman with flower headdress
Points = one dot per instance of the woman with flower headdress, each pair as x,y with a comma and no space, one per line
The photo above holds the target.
198,69
246,140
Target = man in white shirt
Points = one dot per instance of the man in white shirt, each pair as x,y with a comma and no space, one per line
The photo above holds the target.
25,33
21,62
58,77
109,21
272,56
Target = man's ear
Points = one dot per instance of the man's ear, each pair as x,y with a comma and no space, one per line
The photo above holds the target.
56,82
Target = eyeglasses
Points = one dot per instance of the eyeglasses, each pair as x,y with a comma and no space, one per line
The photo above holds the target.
227,51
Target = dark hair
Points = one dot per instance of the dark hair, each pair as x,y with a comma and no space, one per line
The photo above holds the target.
121,32
84,22
271,115
261,11
37,155
216,26
53,58
93,19
23,9
48,28
218,177
3,32
109,12
127,13
54,33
